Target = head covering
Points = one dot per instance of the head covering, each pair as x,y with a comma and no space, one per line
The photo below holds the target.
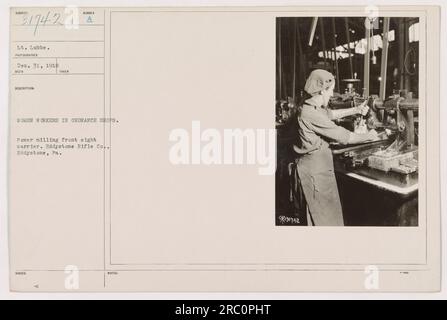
318,80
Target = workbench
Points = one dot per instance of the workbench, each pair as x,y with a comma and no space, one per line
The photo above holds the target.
371,197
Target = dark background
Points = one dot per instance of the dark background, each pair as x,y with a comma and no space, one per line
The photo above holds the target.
296,59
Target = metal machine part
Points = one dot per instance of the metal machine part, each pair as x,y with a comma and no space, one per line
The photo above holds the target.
386,160
284,110
398,112
398,153
384,155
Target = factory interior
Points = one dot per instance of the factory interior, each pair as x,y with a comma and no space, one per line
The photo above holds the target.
374,61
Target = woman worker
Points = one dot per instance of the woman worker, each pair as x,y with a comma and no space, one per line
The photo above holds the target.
315,166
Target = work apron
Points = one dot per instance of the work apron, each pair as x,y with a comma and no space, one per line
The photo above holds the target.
316,172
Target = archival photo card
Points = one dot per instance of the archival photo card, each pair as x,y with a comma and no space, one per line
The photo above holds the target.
224,149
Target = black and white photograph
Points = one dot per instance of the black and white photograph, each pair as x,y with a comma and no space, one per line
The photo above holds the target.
347,123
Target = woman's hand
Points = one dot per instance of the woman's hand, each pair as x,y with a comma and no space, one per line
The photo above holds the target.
362,108
373,135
